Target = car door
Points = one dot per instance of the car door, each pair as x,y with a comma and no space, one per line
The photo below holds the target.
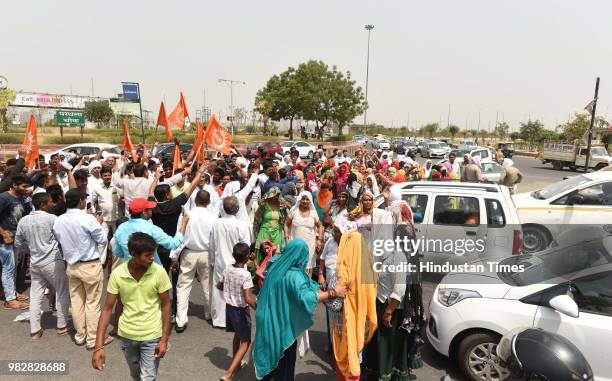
590,331
590,204
455,221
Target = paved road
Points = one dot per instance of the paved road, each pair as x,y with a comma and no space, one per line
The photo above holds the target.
204,352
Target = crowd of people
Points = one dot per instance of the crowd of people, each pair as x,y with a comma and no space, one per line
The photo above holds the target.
271,234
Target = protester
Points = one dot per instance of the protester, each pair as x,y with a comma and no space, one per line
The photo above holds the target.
323,196
47,267
285,309
269,221
106,202
79,235
303,223
144,326
225,234
339,208
194,256
470,171
237,287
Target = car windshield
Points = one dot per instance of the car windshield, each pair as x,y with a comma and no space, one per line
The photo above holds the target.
433,145
287,144
599,151
114,150
560,187
443,145
491,168
383,141
558,262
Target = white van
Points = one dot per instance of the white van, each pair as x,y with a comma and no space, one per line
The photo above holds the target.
462,211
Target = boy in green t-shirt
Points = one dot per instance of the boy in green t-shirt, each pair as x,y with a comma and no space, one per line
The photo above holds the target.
144,325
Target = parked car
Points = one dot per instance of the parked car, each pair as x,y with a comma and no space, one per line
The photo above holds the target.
165,151
565,290
582,199
398,144
431,150
467,143
406,148
372,144
384,144
305,149
486,154
451,210
360,139
271,149
86,149
445,147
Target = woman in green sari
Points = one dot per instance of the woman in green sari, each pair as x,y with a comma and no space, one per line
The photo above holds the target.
269,221
285,309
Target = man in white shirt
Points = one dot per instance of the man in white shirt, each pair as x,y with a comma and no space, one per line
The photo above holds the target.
79,235
106,201
194,254
226,232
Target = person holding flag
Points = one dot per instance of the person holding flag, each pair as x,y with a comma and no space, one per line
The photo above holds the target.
179,117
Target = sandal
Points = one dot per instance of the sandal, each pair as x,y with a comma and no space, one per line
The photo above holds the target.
63,331
36,335
21,297
15,305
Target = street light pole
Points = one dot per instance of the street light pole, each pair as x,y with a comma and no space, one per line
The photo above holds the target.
369,28
230,83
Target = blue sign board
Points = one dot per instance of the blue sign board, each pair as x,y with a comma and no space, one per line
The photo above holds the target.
131,92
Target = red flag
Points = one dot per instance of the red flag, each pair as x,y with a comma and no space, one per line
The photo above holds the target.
127,141
217,137
179,117
199,142
176,159
30,143
162,120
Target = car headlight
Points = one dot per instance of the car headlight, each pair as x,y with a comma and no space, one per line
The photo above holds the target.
450,296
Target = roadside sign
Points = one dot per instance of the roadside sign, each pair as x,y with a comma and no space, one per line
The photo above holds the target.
70,118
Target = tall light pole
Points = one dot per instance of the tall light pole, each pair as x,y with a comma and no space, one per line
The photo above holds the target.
369,28
230,83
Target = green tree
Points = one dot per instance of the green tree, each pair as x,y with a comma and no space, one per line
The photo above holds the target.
515,135
532,131
453,130
429,130
576,128
7,96
471,133
98,112
501,130
347,99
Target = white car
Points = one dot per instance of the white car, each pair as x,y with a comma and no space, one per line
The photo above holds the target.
566,290
305,150
384,144
459,211
582,199
86,149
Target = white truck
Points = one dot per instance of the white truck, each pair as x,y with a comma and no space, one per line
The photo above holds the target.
573,156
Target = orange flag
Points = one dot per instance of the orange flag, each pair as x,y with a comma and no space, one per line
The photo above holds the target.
127,140
198,142
30,143
162,120
176,159
179,117
217,137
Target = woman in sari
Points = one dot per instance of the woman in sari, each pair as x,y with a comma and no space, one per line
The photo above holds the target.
341,178
354,326
372,223
339,208
303,223
353,186
285,309
371,185
269,222
323,199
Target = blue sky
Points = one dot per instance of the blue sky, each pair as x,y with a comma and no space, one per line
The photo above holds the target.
513,59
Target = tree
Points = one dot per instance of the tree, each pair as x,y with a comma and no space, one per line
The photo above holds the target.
453,130
471,133
429,130
501,130
98,112
347,100
515,135
7,96
576,128
532,131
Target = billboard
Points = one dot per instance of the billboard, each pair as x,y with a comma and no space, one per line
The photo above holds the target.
70,118
23,99
120,107
131,91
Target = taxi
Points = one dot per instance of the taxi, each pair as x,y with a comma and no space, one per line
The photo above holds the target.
583,199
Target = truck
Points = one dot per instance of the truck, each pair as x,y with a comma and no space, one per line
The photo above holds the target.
573,156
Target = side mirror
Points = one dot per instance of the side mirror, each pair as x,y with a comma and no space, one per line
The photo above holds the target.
575,200
565,305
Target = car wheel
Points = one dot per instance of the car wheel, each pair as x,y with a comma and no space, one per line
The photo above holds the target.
478,359
535,239
557,165
310,154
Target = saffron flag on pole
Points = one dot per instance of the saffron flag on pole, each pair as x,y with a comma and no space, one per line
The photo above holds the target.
127,141
30,143
179,117
176,158
198,143
217,137
162,120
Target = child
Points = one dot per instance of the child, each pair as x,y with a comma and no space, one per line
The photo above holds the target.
237,286
144,326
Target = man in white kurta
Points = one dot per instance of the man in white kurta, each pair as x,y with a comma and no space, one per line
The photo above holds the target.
227,232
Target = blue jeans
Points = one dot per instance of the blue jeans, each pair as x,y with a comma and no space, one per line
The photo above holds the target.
7,259
140,357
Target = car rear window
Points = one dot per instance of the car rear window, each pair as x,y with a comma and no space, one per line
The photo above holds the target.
456,210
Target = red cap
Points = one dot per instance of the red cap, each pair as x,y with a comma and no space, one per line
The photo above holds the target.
139,205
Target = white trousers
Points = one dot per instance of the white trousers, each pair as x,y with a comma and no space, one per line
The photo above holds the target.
53,276
192,262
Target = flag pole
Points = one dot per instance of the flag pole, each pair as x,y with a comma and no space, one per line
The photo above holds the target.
590,138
